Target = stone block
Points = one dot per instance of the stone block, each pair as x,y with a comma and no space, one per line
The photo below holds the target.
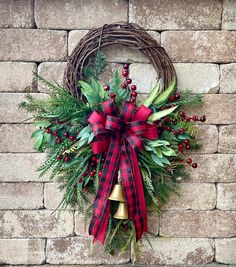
21,196
176,251
76,250
21,167
200,46
78,14
213,223
22,251
226,196
32,45
16,14
35,223
17,77
179,15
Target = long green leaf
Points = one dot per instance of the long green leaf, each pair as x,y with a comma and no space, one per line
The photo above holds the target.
158,115
161,99
153,94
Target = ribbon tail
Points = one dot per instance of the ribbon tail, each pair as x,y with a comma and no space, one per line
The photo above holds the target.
101,206
140,190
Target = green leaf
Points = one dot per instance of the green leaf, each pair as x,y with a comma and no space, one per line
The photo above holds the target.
98,88
38,142
89,93
86,129
168,151
42,123
165,161
183,136
155,143
158,115
158,152
37,133
163,98
157,160
153,94
91,136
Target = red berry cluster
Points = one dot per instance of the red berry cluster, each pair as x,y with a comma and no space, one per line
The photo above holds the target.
190,162
184,145
193,118
59,139
127,84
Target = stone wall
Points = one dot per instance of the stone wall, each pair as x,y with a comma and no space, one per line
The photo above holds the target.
200,38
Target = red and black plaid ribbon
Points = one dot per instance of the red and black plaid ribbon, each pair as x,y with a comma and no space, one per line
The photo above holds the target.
122,138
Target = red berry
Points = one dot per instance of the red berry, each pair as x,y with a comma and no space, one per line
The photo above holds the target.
177,96
203,118
66,134
67,158
93,158
72,138
167,119
128,81
172,98
133,87
189,160
194,165
124,73
92,164
48,130
84,174
59,157
182,114
134,94
55,133
126,66
163,108
112,95
181,130
58,140
106,87
186,141
132,100
80,180
188,119
100,174
187,147
168,129
92,173
181,160
175,133
123,85
58,122
180,146
175,121
97,160
195,118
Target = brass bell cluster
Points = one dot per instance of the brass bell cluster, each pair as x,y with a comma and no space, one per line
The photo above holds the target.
117,194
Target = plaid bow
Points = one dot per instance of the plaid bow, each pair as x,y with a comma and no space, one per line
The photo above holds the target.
121,137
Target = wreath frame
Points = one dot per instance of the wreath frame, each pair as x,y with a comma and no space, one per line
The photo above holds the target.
127,34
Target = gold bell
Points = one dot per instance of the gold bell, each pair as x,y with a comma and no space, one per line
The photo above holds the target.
122,212
117,193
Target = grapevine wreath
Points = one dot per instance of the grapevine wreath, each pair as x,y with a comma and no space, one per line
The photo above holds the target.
114,155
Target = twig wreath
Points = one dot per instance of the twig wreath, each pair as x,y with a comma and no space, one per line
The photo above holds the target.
113,156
